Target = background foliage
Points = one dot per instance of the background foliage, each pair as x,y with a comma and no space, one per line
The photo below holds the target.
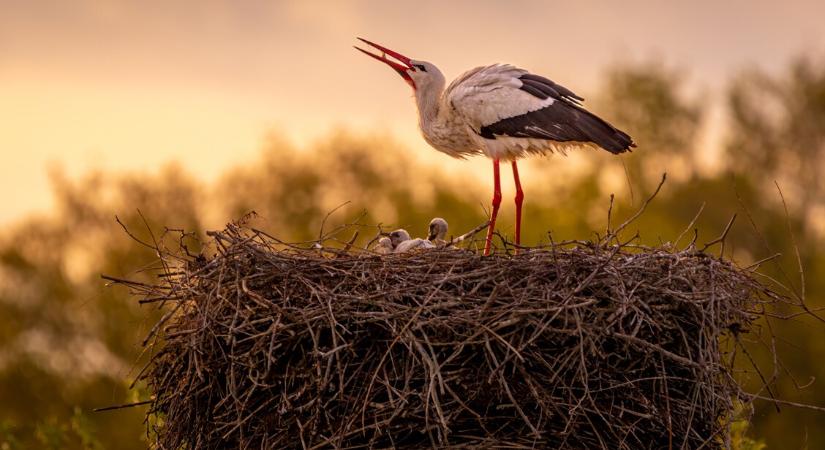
69,344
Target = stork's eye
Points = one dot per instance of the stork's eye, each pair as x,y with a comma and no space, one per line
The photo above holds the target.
420,67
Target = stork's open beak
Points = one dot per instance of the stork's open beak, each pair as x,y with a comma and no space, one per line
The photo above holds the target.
401,66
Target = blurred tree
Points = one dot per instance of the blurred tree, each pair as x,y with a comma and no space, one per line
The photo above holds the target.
777,134
67,344
776,138
650,103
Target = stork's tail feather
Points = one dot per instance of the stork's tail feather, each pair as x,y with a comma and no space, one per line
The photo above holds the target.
603,134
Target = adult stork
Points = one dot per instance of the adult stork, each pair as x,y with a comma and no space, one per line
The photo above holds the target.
503,112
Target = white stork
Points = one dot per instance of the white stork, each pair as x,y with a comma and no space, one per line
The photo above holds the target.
503,112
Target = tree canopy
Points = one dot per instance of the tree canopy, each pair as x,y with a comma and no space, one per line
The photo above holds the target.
69,344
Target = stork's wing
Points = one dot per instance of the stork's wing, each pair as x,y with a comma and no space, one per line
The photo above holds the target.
502,100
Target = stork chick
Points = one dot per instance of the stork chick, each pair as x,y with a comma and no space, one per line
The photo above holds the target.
398,236
414,245
403,243
438,231
384,246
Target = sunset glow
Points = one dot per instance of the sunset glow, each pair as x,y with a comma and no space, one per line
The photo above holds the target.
117,85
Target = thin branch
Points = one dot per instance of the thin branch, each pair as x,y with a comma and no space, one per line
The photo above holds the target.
326,217
125,405
639,212
690,226
721,238
469,234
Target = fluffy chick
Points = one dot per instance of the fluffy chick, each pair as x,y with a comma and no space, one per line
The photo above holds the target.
438,231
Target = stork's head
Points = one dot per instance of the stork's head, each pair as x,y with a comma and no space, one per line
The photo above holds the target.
398,236
438,229
420,75
384,246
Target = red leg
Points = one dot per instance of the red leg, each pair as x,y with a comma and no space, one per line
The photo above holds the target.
496,202
519,201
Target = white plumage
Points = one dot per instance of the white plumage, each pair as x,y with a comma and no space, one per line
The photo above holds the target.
384,246
413,245
403,243
486,95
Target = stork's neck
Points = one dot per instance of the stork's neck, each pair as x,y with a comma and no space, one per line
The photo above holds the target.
428,100
441,129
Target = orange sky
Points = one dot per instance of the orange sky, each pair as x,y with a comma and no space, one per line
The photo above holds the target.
132,85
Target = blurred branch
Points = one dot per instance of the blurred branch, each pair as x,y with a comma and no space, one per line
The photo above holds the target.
798,257
135,238
125,405
690,225
615,233
326,217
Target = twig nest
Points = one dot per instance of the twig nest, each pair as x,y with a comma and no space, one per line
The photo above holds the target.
559,347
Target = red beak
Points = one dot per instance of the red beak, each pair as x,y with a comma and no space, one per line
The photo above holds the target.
402,66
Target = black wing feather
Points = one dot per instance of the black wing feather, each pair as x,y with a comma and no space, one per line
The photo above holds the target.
535,89
563,121
551,88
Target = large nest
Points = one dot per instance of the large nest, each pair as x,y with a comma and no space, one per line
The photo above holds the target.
573,345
